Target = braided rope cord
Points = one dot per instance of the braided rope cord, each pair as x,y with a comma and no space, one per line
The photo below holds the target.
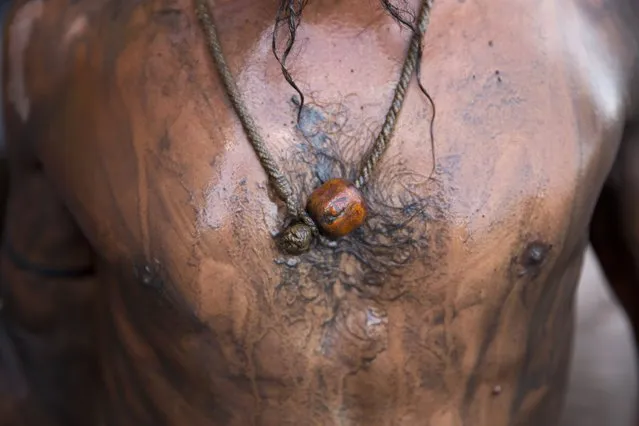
386,133
277,178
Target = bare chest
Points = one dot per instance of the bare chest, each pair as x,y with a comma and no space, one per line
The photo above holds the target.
459,283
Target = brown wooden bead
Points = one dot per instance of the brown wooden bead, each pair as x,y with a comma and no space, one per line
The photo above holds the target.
337,207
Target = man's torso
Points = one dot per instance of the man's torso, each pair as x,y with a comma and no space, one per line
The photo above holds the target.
452,305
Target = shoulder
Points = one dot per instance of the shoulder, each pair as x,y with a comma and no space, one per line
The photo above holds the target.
609,30
98,90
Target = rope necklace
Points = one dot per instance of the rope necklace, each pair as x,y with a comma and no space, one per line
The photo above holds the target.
337,207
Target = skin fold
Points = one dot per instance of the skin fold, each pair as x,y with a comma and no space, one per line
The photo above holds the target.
452,305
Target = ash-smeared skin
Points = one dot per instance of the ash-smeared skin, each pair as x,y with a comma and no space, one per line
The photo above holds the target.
392,237
450,306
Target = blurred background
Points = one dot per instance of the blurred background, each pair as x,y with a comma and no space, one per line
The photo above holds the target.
603,380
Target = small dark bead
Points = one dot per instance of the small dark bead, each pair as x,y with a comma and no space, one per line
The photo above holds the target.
296,239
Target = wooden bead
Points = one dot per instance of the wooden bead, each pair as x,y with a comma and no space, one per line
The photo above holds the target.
337,207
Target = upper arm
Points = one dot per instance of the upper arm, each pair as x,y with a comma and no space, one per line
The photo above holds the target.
615,225
629,13
46,317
